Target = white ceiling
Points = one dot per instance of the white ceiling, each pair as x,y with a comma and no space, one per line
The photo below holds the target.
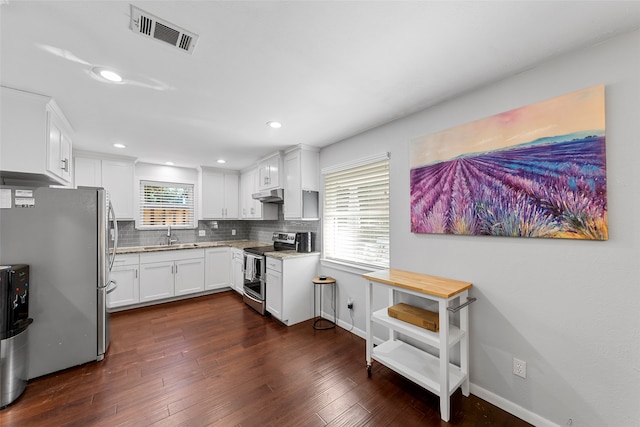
326,69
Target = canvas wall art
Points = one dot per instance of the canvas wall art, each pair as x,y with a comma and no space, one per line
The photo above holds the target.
536,171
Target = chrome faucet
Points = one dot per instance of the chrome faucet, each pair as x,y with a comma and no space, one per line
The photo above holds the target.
170,241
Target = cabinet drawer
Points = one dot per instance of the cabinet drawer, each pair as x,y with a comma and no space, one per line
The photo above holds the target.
126,259
274,264
171,255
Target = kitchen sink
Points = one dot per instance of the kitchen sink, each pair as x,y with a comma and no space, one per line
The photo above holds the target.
188,245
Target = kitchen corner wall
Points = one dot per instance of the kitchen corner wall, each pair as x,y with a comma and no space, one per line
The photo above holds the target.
260,231
569,308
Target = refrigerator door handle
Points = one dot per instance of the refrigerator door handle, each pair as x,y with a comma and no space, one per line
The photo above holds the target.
112,214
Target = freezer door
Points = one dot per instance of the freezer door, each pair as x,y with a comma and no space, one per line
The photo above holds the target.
58,236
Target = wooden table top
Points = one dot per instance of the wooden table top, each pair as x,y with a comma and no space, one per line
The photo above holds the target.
432,285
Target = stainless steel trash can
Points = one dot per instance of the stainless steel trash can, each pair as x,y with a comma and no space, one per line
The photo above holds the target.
13,368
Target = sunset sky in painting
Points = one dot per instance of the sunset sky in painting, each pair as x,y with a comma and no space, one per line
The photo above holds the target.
578,111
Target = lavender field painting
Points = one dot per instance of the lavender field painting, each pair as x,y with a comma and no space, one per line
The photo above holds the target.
537,171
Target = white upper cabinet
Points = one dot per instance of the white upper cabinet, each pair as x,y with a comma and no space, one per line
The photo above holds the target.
251,208
36,138
220,190
87,172
301,172
269,171
115,175
118,180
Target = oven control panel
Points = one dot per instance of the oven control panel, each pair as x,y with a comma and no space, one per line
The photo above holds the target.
284,237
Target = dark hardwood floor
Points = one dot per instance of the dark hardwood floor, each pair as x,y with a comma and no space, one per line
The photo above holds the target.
211,361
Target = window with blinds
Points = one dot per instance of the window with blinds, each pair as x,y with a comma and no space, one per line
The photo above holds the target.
356,212
166,203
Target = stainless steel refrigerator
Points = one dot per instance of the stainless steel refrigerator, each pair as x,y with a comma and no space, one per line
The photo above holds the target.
68,238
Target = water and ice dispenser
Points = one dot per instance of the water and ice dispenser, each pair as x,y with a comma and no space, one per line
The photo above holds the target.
14,321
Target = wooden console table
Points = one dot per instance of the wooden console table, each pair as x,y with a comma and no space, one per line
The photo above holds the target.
436,374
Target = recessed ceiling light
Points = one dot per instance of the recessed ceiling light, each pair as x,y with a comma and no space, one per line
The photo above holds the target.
119,145
222,161
107,74
169,163
274,124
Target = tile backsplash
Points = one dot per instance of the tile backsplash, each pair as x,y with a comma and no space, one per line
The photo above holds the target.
220,230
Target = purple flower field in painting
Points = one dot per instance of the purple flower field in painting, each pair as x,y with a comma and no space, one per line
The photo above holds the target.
552,188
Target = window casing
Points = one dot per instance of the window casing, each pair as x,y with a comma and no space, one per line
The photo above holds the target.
166,203
356,212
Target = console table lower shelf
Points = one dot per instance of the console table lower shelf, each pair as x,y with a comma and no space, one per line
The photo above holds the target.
419,366
434,373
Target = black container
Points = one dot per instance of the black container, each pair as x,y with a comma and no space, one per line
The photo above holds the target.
304,241
14,300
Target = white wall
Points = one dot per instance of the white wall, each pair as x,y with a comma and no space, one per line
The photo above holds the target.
570,309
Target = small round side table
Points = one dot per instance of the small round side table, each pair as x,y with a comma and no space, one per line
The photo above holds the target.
318,286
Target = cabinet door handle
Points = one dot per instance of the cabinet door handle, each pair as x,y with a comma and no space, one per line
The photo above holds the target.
136,273
64,165
172,269
176,269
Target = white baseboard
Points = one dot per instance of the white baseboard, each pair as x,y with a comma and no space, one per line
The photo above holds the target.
510,407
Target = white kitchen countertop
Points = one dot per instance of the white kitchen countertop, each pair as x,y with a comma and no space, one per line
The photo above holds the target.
238,244
289,254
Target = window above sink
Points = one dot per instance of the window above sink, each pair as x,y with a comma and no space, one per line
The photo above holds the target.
165,204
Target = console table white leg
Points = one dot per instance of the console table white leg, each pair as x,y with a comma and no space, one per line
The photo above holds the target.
464,343
443,314
393,335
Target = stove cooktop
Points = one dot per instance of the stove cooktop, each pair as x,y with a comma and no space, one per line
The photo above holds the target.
282,241
261,250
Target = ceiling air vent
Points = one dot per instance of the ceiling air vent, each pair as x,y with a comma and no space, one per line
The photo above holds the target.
150,25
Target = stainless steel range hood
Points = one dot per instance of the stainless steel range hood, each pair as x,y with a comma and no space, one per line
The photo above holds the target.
270,196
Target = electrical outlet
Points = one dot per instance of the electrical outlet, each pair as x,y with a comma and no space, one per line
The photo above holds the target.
202,233
519,368
233,232
350,304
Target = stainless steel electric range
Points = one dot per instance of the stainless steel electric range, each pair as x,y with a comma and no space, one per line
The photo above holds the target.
255,269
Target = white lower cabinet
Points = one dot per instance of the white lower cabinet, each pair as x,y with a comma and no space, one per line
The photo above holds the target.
237,270
189,276
156,281
126,276
273,276
217,268
171,273
290,288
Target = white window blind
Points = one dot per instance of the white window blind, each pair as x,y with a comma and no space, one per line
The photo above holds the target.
166,203
356,213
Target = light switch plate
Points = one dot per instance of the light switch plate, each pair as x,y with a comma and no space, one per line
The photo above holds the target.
202,233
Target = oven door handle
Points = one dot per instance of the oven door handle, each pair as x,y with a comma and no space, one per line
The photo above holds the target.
251,266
